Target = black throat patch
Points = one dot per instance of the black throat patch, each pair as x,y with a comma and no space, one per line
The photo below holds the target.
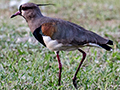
38,35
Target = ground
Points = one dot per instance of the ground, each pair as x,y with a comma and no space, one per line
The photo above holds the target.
27,65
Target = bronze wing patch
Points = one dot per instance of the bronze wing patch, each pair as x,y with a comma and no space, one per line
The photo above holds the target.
49,29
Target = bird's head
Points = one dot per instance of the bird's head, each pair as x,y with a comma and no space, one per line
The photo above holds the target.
29,10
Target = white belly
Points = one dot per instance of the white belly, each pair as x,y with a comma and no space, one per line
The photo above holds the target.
53,45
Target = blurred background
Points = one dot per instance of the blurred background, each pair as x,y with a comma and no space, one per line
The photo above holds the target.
27,65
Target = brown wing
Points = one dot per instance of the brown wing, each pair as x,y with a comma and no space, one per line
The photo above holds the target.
48,29
69,33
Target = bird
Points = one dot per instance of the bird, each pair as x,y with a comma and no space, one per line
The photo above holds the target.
60,35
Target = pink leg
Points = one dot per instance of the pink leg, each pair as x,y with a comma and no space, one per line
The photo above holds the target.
60,68
74,77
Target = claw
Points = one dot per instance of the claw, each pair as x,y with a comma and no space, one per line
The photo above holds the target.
75,82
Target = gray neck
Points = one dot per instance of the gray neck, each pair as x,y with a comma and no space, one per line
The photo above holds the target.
33,16
35,22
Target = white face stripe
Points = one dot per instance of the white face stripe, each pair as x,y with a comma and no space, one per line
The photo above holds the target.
22,12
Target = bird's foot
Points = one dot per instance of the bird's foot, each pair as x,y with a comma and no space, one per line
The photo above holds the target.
74,82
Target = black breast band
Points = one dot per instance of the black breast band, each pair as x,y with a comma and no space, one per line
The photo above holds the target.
38,35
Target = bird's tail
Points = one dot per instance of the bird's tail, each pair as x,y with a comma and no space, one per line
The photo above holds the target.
105,46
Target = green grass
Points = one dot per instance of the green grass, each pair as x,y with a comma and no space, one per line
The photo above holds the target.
27,65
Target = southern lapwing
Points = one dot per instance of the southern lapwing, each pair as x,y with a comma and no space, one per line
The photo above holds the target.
58,34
